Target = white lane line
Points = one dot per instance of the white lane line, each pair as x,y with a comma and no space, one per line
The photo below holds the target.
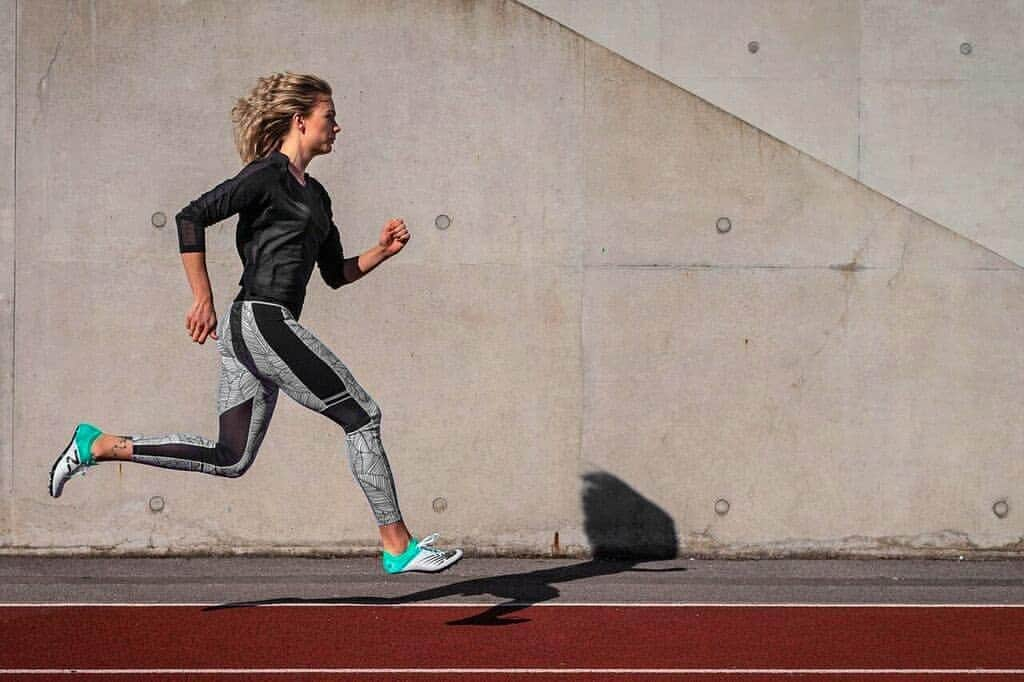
477,605
509,671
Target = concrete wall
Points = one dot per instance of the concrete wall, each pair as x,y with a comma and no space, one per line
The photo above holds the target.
878,89
8,11
833,374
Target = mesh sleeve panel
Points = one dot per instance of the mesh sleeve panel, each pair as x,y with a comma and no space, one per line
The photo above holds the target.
191,237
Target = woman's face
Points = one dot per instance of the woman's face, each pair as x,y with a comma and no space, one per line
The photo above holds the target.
320,127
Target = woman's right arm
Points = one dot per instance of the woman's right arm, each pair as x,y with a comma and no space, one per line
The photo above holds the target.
224,200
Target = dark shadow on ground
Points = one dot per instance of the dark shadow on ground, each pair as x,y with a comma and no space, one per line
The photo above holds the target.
624,529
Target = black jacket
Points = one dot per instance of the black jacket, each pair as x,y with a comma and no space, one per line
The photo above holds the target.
283,230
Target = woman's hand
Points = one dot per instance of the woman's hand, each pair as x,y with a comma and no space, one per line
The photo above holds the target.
394,237
201,320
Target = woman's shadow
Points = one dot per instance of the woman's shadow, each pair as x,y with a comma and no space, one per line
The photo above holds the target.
624,529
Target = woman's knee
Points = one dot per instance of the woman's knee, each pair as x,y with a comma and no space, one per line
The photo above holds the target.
353,416
229,462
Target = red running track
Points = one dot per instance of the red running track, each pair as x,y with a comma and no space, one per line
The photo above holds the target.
398,642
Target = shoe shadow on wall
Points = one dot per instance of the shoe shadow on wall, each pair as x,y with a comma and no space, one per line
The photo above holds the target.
624,530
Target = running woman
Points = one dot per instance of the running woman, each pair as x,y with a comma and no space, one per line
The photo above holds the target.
285,227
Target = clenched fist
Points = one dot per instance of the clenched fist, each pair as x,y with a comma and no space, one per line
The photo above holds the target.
394,236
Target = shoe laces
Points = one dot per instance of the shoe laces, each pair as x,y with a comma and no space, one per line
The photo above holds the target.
427,542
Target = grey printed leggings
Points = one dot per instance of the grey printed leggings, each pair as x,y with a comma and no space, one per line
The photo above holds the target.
264,348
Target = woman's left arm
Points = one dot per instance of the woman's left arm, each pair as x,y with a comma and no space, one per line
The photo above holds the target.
337,270
393,239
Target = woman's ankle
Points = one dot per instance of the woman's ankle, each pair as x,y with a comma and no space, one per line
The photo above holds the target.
110,447
395,537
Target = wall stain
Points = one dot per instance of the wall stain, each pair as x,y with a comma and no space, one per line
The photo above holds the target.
899,270
41,88
946,543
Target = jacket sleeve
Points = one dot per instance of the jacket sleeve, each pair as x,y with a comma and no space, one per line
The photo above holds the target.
223,201
331,258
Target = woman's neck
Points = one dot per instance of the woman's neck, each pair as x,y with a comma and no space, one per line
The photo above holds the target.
296,163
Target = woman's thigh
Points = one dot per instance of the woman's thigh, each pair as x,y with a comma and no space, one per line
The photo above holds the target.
283,351
245,401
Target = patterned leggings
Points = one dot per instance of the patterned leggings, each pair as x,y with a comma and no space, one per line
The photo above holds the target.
263,348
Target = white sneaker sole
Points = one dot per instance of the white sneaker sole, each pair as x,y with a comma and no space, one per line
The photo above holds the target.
69,451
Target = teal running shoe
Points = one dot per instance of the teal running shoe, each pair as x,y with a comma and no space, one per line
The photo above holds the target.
75,458
421,556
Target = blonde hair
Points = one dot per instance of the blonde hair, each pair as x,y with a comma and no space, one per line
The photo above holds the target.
264,116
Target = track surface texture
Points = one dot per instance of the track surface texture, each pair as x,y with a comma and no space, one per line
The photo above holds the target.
298,619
